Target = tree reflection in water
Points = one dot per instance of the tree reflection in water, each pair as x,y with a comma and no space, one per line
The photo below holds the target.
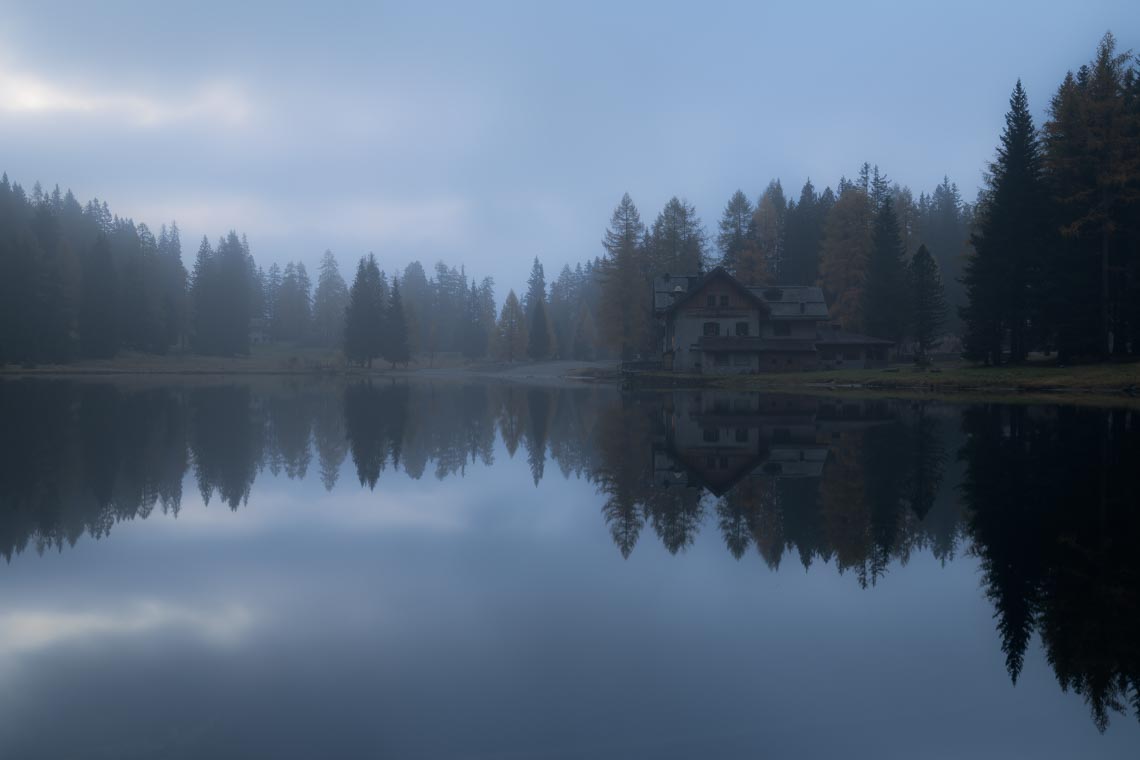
1045,497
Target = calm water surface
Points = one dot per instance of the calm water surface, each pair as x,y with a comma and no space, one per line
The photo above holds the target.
276,569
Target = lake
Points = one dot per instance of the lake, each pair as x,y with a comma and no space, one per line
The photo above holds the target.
280,568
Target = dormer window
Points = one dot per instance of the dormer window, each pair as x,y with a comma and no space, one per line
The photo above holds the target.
710,302
724,300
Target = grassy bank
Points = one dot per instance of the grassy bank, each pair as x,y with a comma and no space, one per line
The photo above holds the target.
265,360
1108,378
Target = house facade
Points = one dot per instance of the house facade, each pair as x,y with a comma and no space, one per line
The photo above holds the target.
714,324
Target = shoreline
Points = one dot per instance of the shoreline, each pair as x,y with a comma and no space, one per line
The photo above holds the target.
1109,382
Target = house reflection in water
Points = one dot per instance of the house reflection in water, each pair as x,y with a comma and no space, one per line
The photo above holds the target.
713,440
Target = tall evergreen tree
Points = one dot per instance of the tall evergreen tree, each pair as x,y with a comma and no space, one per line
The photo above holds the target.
803,235
363,318
625,296
677,240
769,222
927,299
885,312
329,303
395,348
844,254
1004,272
98,335
737,231
538,332
510,333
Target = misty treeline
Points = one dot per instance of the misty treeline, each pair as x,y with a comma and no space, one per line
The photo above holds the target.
1009,485
78,282
1047,258
880,254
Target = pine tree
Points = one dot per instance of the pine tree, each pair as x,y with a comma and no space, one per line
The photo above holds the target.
396,349
885,312
677,240
329,303
769,223
98,338
803,235
737,233
844,253
510,333
1092,155
625,294
538,332
928,299
363,319
1004,273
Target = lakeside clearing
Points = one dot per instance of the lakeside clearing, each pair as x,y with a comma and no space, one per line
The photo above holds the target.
1111,379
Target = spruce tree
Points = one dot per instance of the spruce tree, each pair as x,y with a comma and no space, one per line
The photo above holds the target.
329,303
626,309
928,299
396,349
737,233
510,332
538,332
1004,273
97,328
677,240
363,317
885,303
844,253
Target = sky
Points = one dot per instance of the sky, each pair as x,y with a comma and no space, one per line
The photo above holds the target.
489,133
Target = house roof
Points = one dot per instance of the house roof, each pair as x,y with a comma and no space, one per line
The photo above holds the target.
674,299
793,301
790,302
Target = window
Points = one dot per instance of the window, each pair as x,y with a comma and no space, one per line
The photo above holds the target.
742,329
710,463
783,329
710,301
742,435
712,329
724,300
710,435
720,360
741,360
852,354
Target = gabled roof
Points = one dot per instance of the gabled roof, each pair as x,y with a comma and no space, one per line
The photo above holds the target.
695,285
793,301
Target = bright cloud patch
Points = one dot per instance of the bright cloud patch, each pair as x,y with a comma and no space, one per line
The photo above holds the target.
31,630
24,94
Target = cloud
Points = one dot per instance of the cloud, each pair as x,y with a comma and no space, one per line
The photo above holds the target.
223,103
31,630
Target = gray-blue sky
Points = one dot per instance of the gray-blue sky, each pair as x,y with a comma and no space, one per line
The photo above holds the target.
489,133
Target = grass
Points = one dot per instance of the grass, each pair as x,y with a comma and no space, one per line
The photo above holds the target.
958,377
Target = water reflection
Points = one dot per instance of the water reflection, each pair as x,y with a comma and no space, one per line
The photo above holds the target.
1045,497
